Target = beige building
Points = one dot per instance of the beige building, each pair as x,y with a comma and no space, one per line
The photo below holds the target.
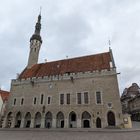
80,92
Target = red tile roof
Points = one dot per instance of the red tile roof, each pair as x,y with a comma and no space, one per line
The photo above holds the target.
4,95
79,64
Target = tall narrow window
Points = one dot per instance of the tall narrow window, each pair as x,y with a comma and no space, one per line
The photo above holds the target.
15,101
22,101
86,98
61,99
42,99
49,100
79,98
34,100
68,98
98,97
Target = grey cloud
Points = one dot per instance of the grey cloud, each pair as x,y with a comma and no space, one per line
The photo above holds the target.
71,28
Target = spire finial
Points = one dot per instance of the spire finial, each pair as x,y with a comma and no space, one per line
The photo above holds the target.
39,16
36,34
40,10
109,43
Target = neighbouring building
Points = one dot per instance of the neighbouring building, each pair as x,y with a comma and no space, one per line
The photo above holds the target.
134,108
79,92
130,100
3,101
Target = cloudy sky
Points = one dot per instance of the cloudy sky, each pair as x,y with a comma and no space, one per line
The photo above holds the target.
71,28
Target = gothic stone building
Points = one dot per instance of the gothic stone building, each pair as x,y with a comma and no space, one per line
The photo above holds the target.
81,92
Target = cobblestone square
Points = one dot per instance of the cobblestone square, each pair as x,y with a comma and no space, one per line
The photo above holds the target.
68,135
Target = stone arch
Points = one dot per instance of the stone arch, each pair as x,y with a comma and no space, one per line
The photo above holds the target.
72,120
60,120
48,120
98,123
86,120
27,120
37,122
111,118
9,119
18,120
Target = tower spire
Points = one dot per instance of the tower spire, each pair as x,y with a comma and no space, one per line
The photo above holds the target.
37,31
35,44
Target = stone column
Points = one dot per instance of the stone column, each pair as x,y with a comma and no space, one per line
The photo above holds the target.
22,123
92,123
13,122
4,123
43,122
79,123
32,123
54,123
104,122
66,123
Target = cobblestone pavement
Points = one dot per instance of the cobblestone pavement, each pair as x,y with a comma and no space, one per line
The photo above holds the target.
34,134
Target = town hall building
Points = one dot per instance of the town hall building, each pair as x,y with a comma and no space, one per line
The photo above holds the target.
79,92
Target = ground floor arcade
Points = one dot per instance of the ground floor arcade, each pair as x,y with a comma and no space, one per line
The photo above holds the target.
60,120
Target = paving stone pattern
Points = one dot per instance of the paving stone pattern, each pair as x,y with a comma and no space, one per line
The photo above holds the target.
68,135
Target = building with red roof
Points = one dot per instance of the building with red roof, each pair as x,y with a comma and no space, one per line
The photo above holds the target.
79,92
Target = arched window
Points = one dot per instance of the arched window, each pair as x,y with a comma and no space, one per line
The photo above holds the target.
60,120
37,120
22,101
34,100
72,120
86,117
18,120
48,120
15,101
42,96
9,119
27,120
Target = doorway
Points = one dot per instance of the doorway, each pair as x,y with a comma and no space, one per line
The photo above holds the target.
98,123
111,118
86,124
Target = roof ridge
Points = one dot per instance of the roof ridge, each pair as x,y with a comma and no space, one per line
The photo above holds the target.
66,59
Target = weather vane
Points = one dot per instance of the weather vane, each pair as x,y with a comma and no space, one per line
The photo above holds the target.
40,9
109,43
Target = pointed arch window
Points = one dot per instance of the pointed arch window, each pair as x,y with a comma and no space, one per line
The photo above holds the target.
42,98
15,101
22,101
34,100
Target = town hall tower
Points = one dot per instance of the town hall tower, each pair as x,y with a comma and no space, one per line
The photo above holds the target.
35,44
